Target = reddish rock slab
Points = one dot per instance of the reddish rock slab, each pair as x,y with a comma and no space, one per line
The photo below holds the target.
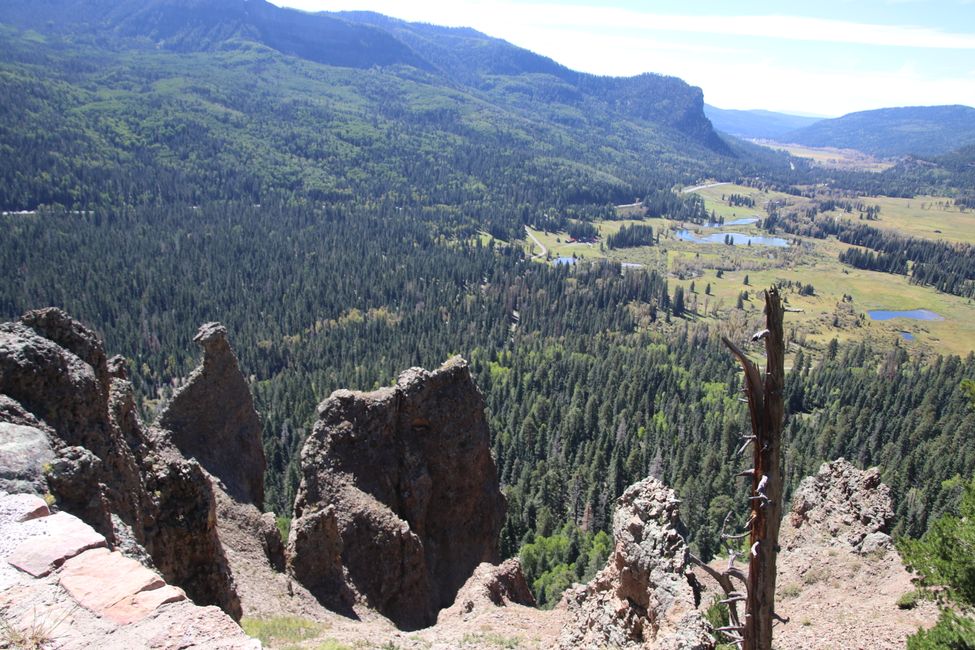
114,586
22,507
138,606
59,537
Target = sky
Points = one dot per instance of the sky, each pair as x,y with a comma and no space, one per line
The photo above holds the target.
823,58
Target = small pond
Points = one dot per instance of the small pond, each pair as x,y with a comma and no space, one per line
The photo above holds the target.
914,314
907,336
739,239
744,221
564,260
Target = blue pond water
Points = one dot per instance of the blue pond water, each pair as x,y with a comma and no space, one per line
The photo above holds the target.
564,260
740,239
914,314
907,336
744,221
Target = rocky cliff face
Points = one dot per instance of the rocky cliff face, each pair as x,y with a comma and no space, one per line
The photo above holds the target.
211,419
74,431
399,500
643,598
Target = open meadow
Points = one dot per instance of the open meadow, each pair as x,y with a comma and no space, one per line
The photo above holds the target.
714,274
848,159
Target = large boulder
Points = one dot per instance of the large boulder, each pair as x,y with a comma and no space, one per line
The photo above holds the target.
643,598
211,419
416,504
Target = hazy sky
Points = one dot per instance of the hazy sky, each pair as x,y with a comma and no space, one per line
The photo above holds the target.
827,57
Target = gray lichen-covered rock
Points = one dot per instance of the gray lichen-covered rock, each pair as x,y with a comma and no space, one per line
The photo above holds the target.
211,419
643,598
103,465
53,384
845,504
417,505
25,458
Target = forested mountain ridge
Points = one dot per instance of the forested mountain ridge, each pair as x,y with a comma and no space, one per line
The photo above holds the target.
918,130
98,112
363,40
196,25
468,56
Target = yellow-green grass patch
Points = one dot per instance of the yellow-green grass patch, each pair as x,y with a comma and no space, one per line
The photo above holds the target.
927,217
832,157
280,630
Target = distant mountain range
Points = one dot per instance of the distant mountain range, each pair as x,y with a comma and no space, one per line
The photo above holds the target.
755,124
885,132
912,130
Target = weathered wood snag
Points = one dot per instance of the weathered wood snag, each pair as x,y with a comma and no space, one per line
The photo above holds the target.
767,410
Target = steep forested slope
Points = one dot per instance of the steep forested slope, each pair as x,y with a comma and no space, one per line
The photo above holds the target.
189,102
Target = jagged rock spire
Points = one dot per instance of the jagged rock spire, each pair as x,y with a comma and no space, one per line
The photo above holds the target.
211,418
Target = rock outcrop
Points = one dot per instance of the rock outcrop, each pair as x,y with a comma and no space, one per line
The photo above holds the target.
399,500
211,419
842,504
490,586
643,598
839,577
75,434
61,587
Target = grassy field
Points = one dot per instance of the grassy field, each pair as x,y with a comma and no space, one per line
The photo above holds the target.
843,295
849,159
927,217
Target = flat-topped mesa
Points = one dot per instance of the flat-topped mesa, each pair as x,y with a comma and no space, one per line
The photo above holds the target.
211,419
643,598
400,485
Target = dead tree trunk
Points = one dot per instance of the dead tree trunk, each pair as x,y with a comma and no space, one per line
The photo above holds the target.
767,409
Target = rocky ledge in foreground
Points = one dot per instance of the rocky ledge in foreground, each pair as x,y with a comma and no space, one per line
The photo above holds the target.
62,587
843,505
643,598
399,500
839,575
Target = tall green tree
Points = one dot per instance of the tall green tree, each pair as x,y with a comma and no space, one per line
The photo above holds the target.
944,559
